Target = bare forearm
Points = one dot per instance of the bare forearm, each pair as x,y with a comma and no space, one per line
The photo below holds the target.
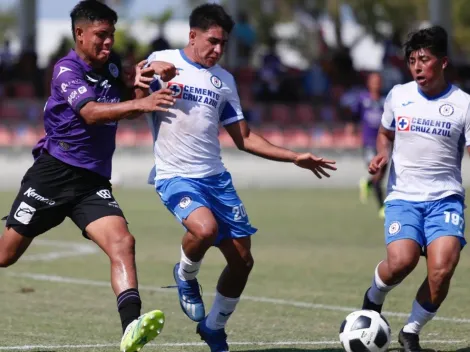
383,144
259,146
100,113
138,93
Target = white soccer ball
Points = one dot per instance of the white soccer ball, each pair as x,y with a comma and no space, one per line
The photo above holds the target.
365,331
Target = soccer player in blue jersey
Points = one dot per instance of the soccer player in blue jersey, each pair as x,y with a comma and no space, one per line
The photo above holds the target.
428,123
191,178
72,167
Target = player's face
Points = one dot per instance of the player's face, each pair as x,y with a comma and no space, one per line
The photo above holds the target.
95,39
374,83
426,68
208,46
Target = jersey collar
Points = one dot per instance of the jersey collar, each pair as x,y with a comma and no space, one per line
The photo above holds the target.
441,94
189,61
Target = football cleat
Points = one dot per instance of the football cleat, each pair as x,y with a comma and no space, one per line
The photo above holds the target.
142,330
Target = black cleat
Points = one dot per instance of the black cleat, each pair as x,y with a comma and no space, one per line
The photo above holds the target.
409,341
368,304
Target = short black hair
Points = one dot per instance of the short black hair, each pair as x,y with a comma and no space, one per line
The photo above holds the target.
209,15
91,11
432,38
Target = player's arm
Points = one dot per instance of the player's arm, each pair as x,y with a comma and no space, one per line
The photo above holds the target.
385,137
250,142
69,82
99,113
385,140
467,128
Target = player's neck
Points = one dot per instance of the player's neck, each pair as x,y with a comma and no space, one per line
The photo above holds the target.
190,55
436,89
375,95
86,59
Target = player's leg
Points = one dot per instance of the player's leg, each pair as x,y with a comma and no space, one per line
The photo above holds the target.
377,186
100,218
234,242
365,184
38,207
202,232
404,240
444,227
187,201
230,286
12,246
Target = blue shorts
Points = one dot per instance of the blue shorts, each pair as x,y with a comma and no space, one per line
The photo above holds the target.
184,195
423,222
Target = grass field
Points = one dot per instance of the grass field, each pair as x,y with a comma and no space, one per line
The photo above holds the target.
315,253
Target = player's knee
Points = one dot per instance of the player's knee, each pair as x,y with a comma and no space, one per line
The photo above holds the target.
206,232
441,274
7,258
123,244
401,265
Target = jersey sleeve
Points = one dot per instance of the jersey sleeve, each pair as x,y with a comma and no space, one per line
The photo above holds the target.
69,83
467,126
155,84
388,119
231,110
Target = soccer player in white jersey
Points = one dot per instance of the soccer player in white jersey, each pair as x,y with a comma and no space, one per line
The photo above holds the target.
428,123
191,178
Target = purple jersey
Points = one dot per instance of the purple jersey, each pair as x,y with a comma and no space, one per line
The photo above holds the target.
68,137
370,113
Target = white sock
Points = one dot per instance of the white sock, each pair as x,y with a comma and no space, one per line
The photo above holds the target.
220,312
378,290
418,318
188,269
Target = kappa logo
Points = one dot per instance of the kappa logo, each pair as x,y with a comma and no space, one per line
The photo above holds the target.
24,213
105,194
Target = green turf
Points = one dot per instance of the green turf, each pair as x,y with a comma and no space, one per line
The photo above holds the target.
313,246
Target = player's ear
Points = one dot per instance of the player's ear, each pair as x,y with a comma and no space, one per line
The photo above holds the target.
79,32
192,36
445,62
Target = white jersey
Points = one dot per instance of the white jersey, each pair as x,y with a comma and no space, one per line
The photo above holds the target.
187,137
430,136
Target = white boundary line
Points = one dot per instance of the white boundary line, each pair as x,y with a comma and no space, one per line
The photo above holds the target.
66,249
86,282
194,344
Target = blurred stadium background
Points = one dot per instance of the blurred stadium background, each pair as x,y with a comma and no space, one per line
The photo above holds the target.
299,64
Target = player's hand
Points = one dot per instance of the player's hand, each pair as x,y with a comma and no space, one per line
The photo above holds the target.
316,164
377,163
160,100
165,70
143,76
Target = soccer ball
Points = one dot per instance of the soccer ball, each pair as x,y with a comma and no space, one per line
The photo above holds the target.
365,330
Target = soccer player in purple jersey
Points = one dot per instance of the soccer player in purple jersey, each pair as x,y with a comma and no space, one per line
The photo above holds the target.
369,110
72,167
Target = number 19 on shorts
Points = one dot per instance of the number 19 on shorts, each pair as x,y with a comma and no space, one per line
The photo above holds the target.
454,219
